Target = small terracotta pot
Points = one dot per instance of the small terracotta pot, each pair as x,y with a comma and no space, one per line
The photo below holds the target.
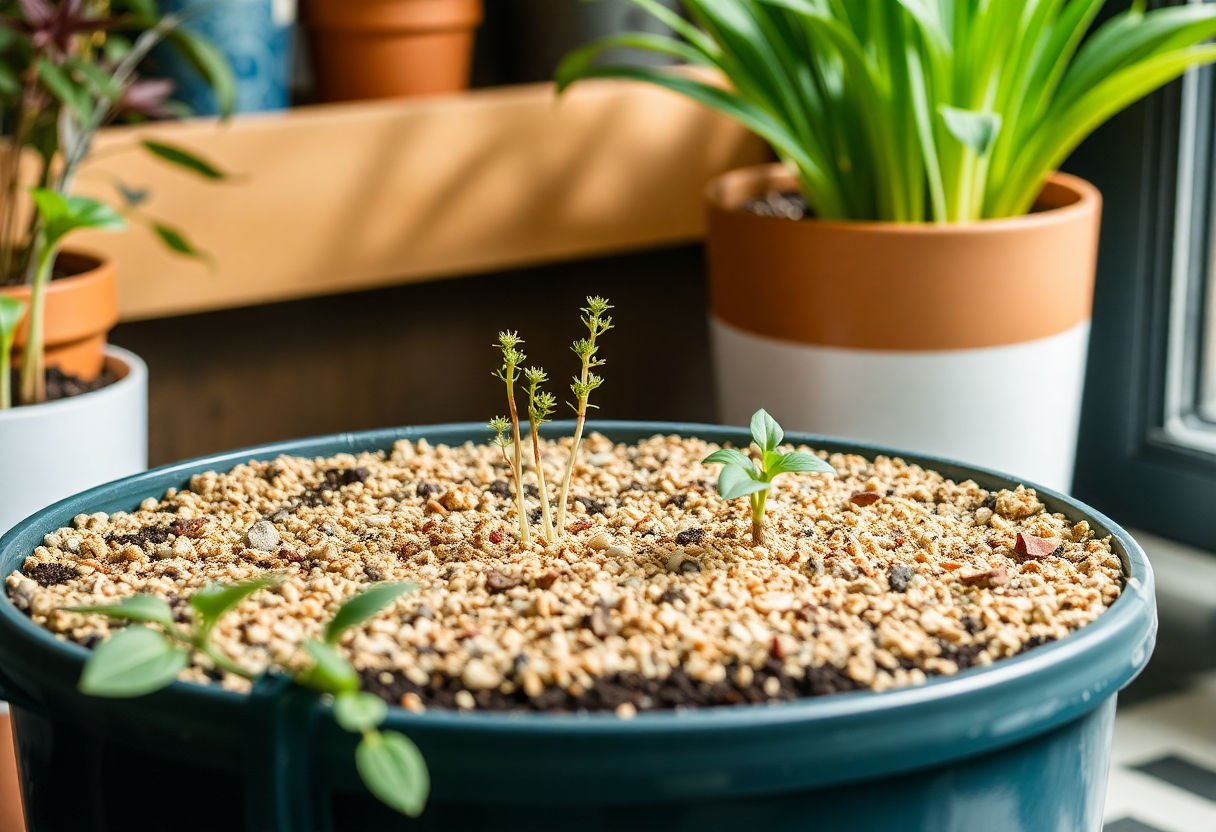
80,311
10,788
388,48
967,340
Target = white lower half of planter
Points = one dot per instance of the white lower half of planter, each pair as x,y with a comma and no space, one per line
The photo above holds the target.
1013,408
51,451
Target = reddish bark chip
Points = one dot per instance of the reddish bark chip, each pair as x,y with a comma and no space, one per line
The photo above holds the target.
1029,547
993,577
497,536
865,498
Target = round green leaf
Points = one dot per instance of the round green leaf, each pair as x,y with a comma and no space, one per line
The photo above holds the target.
147,608
359,711
393,770
135,662
361,607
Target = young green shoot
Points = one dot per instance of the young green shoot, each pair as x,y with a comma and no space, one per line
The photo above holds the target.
499,426
540,409
141,659
597,323
12,311
741,476
512,357
58,216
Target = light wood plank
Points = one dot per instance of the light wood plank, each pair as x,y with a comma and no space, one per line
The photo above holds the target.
338,198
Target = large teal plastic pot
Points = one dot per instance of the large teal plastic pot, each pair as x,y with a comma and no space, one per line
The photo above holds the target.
1020,746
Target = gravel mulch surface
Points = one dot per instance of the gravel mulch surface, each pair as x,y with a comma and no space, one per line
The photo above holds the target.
879,577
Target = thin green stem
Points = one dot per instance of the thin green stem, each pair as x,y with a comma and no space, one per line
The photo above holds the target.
6,373
33,362
546,518
564,493
518,468
224,663
758,500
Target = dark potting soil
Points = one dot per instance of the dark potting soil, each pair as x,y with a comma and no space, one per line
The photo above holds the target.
608,693
781,204
60,385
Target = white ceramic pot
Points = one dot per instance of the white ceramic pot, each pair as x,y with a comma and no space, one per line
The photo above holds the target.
53,450
967,341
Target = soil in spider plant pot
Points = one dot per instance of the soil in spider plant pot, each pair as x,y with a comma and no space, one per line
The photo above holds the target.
653,593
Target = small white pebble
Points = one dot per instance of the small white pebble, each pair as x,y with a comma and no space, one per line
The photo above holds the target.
263,535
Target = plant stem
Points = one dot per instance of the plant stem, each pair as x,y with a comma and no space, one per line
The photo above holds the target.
758,500
518,467
564,494
224,663
33,362
6,374
540,484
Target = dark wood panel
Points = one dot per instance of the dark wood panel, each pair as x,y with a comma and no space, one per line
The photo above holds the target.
421,353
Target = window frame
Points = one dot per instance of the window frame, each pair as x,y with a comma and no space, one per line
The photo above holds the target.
1145,454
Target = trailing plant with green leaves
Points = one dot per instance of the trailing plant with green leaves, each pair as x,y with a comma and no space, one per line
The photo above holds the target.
741,476
155,648
12,311
584,384
541,405
68,68
916,110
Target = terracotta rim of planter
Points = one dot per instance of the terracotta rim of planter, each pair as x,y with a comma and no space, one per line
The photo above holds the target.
80,311
393,15
901,286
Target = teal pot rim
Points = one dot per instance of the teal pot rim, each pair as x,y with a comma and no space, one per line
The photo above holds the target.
765,748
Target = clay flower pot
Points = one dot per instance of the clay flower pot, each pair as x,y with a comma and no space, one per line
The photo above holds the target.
80,309
963,340
388,48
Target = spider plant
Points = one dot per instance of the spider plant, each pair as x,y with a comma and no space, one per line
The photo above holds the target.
916,110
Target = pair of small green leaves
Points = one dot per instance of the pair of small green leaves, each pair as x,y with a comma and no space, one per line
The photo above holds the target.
390,765
61,215
140,660
741,476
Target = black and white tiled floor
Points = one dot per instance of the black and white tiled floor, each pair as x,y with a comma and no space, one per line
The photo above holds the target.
1163,776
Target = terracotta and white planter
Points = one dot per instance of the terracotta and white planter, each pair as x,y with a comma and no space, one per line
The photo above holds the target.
967,341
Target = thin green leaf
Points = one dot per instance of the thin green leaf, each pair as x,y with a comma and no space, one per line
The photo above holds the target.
735,481
144,608
728,456
359,711
363,606
576,64
182,158
134,662
330,671
177,242
393,770
211,602
766,433
211,64
72,96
